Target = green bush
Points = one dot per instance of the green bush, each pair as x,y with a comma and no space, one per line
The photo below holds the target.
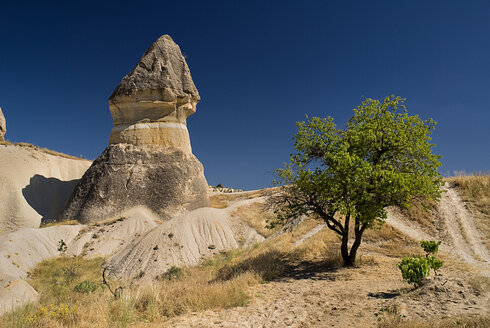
86,287
430,246
414,269
434,263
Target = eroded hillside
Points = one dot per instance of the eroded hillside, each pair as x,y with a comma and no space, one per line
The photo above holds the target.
292,278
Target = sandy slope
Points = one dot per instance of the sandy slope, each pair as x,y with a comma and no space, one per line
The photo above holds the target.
20,251
34,184
460,235
137,240
461,229
183,240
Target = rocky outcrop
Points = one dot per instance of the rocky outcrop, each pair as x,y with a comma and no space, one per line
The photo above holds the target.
152,103
149,161
125,176
3,126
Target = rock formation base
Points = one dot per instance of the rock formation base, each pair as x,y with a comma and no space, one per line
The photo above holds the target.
167,181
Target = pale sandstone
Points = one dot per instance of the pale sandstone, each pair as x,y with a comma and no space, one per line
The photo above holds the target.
34,185
3,126
152,103
169,135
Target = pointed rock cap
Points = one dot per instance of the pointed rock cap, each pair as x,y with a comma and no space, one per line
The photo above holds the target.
162,75
3,125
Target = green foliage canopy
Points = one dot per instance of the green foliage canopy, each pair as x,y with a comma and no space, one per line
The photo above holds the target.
383,157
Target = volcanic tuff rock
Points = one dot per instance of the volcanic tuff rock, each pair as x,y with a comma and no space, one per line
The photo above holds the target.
3,126
152,103
149,161
125,176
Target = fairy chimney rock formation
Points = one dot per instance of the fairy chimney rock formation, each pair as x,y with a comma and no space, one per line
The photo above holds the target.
3,126
149,161
152,103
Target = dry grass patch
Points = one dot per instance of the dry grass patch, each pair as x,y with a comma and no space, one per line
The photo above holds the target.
222,200
424,213
72,293
58,223
256,216
475,190
218,201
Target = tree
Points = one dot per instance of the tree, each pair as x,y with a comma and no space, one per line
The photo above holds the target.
347,177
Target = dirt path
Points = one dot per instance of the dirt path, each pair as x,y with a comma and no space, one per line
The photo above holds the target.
399,222
460,235
461,229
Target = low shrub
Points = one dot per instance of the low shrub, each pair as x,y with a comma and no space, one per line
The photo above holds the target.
174,273
86,287
416,268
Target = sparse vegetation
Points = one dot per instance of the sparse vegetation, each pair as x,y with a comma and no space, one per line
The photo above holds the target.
62,247
221,281
86,287
58,223
256,217
173,273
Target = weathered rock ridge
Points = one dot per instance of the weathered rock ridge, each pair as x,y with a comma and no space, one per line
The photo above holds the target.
149,161
3,126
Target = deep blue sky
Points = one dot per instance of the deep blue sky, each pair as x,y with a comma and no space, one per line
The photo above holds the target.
259,66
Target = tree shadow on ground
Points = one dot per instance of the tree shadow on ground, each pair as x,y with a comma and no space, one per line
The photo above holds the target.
313,270
273,265
385,295
48,196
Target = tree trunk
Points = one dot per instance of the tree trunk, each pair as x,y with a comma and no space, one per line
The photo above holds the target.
353,250
349,258
344,249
